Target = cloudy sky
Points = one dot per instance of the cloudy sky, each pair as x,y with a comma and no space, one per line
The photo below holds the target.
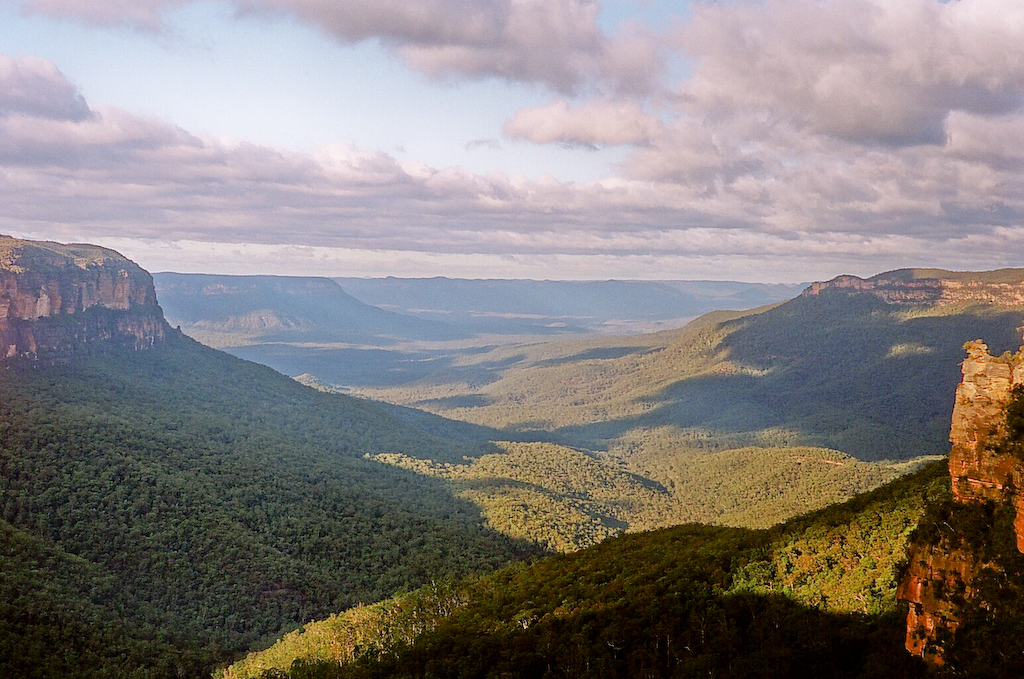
762,140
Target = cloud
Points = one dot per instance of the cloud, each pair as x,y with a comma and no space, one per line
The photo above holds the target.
116,175
33,86
557,43
602,122
554,42
866,71
849,116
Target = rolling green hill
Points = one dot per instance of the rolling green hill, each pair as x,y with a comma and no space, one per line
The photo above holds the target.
740,418
165,509
812,597
842,371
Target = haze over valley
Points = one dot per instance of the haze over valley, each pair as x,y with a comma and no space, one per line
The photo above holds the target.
393,331
739,417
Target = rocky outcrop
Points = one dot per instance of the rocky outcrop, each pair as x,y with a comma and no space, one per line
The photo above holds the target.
933,573
933,287
942,570
57,299
979,469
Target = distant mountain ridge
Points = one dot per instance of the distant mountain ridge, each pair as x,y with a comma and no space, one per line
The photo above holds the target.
831,369
338,333
937,287
230,310
517,305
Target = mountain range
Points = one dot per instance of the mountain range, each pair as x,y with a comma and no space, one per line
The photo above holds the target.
527,307
740,417
393,331
931,564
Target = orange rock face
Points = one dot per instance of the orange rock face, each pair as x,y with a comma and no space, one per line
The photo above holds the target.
55,298
933,571
979,472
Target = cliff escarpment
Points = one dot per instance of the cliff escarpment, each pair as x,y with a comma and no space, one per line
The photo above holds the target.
974,539
57,299
934,287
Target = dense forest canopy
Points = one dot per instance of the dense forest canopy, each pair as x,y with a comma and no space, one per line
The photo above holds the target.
200,502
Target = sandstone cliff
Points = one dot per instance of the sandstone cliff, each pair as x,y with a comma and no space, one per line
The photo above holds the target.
944,565
56,299
934,287
979,470
935,571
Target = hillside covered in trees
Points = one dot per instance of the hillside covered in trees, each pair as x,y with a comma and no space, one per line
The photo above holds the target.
164,510
845,370
165,507
741,418
811,597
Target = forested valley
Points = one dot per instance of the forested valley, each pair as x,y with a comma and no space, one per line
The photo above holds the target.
166,510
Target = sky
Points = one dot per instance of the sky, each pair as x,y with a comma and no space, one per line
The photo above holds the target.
755,140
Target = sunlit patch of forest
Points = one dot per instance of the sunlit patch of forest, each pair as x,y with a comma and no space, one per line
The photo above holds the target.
567,499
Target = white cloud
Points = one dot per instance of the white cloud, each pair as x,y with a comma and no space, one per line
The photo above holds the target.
867,71
554,42
599,122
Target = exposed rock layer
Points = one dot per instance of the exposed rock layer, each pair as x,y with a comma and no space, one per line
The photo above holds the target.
56,299
944,571
980,471
934,287
934,571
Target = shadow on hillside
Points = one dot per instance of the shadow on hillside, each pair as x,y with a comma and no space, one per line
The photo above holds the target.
475,375
376,367
598,354
352,367
688,634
